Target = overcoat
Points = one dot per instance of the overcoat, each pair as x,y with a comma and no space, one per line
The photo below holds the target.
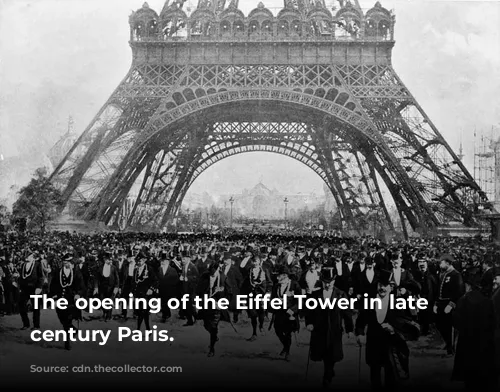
474,320
326,337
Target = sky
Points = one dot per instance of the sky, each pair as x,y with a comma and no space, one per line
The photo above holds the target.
65,57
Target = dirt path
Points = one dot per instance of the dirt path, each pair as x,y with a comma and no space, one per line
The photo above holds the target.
237,363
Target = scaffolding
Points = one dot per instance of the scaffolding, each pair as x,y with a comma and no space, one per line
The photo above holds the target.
484,161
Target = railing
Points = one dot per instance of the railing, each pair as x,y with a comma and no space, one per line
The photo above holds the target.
257,38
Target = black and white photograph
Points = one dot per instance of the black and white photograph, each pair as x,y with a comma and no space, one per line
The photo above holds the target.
246,194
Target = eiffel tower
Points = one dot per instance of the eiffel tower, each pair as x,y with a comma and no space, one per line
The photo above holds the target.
310,83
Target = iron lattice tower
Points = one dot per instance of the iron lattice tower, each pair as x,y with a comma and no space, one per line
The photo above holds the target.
306,83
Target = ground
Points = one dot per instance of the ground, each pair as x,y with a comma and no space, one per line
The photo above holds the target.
237,362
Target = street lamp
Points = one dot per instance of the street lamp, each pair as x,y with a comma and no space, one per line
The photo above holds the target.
231,200
286,211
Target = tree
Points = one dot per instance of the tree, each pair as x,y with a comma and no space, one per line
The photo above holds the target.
4,217
38,202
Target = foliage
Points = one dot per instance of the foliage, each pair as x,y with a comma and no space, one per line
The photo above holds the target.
38,202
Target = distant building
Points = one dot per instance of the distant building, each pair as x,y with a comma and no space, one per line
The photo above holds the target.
63,145
260,202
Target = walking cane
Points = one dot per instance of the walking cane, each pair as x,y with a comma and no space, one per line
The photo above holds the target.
296,339
232,325
359,364
308,360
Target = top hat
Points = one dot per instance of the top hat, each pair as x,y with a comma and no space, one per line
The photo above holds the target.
67,257
140,256
328,274
384,277
185,253
369,260
227,256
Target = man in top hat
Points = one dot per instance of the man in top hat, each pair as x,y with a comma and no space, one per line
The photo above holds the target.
245,263
203,261
386,330
428,283
67,282
286,320
107,283
81,264
214,284
127,279
358,269
367,281
188,276
404,283
234,281
11,286
46,270
451,288
487,275
143,286
30,283
255,282
474,319
271,266
168,285
310,280
326,328
337,261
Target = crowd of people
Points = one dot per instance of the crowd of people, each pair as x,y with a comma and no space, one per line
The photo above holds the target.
459,278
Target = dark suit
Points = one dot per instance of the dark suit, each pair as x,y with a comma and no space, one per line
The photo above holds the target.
284,323
356,275
255,282
62,286
474,318
144,281
122,270
406,281
326,337
84,270
30,280
202,265
212,316
382,260
343,279
168,287
234,281
496,306
365,286
487,281
270,269
383,349
428,283
189,277
106,285
126,281
451,288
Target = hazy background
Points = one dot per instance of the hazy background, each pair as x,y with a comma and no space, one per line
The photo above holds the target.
65,57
